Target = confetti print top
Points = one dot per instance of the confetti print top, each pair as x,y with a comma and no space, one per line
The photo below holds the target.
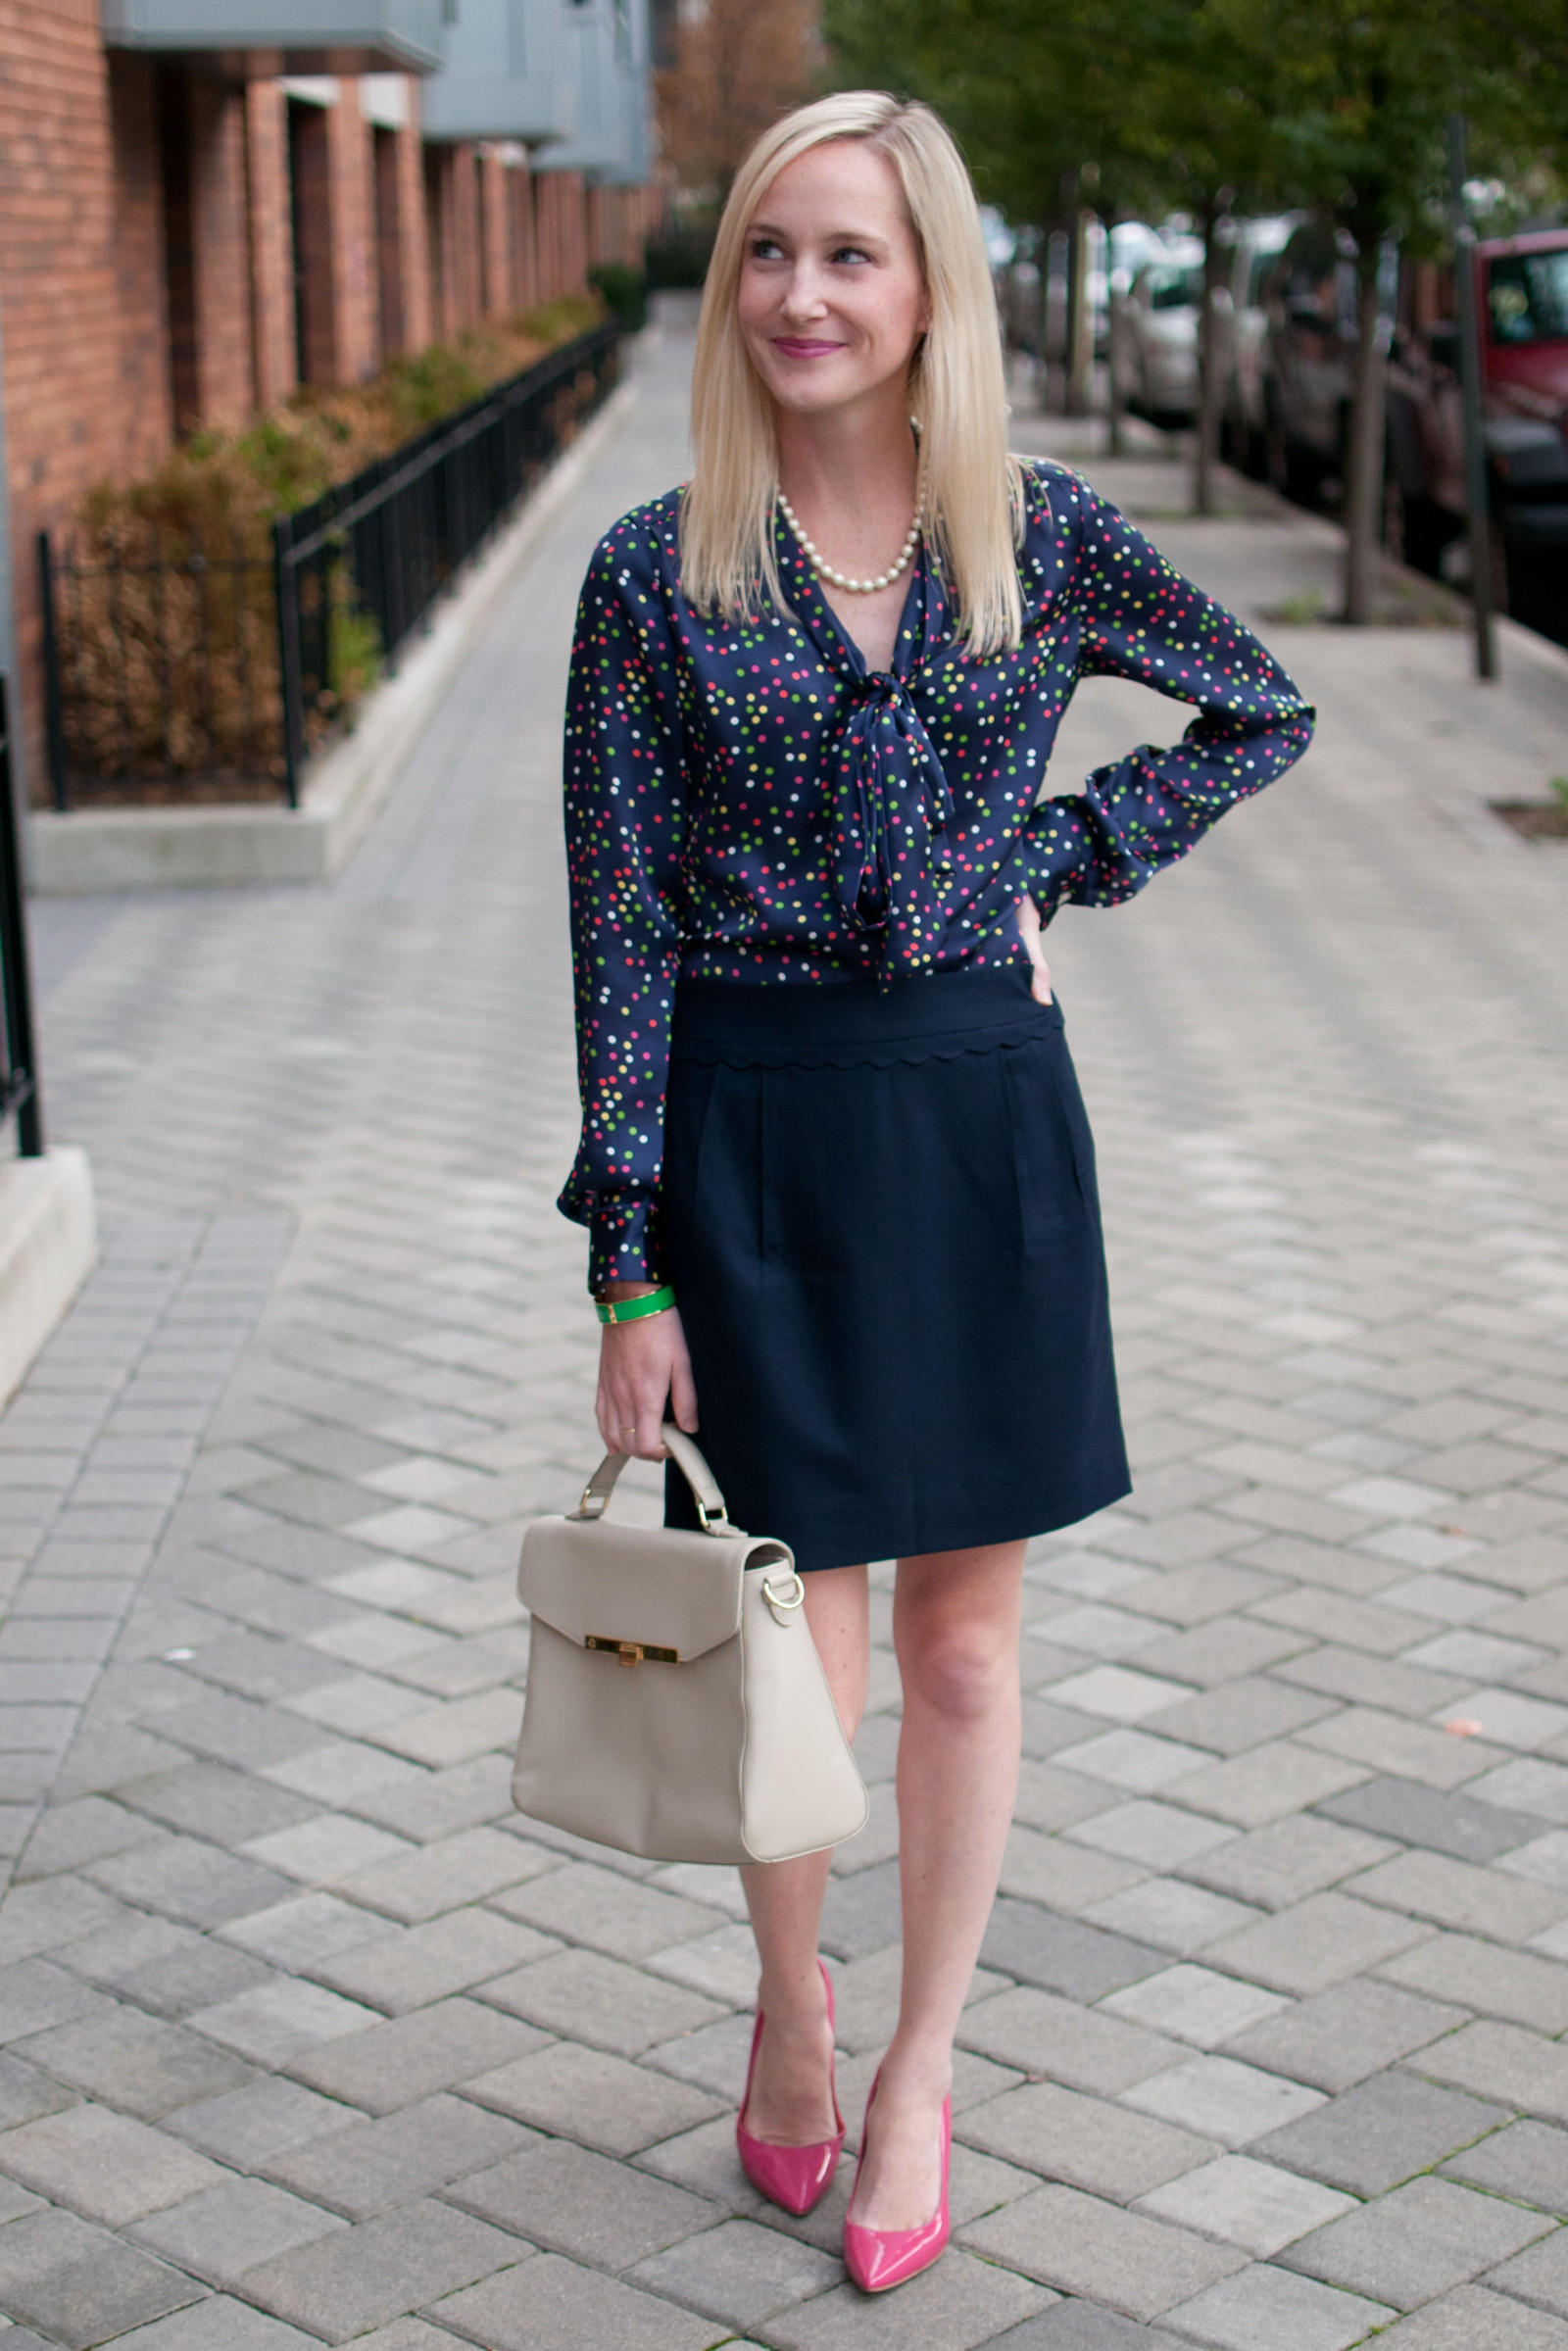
748,802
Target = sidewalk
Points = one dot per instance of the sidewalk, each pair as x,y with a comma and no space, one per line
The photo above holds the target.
308,2038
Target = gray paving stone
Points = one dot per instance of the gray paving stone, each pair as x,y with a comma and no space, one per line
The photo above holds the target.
169,1969
221,2234
310,1927
1315,1944
740,2271
1246,2203
1265,1783
244,2127
560,2307
1266,2309
1456,1893
1073,2326
605,2003
80,2284
862,1912
1194,2003
365,2167
103,2165
35,1994
601,1908
137,2062
1161,1836
1379,2133
1286,1861
215,2324
1084,2246
407,2058
1513,1985
1538,2276
1220,2099
277,2020
439,1877
357,2279
1088,2142
714,2057
1338,2038
1063,1955
956,2305
570,2200
1170,1915
185,1878
588,2095
1528,2161
1043,2034
1425,1816
1472,2319
413,1965
1417,2243
1503,2062
1242,1715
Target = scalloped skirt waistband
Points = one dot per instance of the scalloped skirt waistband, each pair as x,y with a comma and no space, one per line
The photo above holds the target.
847,1024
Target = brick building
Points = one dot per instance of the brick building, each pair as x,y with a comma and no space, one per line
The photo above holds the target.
192,223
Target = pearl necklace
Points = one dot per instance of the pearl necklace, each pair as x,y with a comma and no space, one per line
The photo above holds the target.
857,587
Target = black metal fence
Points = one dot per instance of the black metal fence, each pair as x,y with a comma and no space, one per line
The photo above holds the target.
215,670
19,1061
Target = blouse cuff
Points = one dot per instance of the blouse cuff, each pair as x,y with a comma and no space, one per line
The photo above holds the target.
621,1241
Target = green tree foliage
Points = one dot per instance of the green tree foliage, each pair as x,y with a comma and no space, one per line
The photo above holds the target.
1335,105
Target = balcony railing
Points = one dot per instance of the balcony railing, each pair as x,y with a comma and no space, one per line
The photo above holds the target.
19,1059
212,669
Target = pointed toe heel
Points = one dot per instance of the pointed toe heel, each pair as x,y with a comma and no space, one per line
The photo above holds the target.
792,2177
878,2259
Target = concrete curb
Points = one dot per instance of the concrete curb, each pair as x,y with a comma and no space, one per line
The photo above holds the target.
88,850
48,1247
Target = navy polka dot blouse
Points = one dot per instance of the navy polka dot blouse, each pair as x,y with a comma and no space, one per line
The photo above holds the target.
746,800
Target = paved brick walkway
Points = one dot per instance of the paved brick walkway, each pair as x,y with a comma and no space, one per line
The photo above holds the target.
308,2038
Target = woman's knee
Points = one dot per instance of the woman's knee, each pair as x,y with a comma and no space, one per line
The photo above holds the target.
957,1669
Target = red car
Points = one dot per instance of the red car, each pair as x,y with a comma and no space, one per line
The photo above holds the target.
1522,302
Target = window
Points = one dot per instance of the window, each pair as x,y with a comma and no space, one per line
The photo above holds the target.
1529,297
1171,289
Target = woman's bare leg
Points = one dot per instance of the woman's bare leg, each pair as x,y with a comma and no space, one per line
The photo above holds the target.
790,2102
955,1629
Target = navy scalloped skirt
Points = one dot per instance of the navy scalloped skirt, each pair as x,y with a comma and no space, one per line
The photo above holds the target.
879,1214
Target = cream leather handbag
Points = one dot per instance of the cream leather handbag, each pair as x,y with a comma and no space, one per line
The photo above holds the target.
676,1706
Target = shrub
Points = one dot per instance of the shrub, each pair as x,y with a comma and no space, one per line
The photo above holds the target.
167,618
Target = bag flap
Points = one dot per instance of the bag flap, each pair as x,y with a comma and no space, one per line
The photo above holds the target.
593,1580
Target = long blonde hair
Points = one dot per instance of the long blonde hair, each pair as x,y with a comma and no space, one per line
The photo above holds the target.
958,390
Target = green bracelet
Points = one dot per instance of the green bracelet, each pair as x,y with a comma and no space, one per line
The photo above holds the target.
633,1309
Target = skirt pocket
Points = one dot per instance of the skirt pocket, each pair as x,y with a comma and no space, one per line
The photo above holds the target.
1052,1155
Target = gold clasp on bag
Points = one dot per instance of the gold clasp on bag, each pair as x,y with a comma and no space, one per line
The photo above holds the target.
631,1653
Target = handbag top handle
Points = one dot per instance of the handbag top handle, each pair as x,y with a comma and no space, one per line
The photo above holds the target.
694,1470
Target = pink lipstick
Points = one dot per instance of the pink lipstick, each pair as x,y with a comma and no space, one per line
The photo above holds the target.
800,347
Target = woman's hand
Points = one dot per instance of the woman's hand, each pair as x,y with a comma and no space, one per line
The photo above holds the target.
643,1365
1034,947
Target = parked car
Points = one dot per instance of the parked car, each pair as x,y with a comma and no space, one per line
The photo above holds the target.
1244,321
1307,376
1153,328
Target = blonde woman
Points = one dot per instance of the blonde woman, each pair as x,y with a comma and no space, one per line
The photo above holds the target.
835,1165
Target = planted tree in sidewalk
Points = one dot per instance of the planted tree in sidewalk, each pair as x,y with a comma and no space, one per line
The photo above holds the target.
1362,140
1168,102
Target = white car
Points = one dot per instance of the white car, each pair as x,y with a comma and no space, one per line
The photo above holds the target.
1153,327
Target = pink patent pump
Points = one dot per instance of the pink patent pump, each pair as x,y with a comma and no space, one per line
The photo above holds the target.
793,2177
879,2258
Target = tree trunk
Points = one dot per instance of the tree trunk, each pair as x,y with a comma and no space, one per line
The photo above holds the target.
1210,384
1115,438
1080,321
1363,488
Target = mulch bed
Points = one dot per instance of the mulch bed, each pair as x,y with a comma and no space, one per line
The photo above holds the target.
1536,819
